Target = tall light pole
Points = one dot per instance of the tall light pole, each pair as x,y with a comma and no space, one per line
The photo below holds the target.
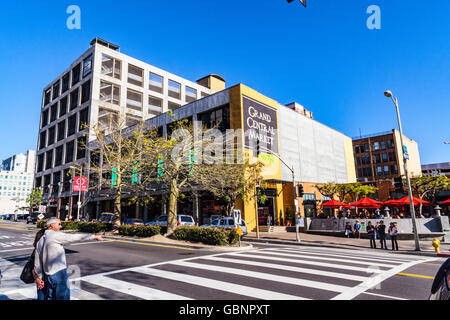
79,191
388,94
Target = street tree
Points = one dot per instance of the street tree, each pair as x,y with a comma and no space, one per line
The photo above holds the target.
427,187
34,199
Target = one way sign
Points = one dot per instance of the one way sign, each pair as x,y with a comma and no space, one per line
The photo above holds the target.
302,1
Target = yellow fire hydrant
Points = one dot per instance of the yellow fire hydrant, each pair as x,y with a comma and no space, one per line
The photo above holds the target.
436,244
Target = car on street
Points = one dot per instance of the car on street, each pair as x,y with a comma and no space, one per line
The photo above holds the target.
134,222
440,289
32,219
182,220
227,222
106,217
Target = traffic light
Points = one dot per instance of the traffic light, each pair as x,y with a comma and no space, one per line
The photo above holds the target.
302,1
398,184
299,190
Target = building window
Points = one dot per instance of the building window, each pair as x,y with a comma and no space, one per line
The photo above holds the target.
81,148
386,170
379,171
191,94
216,118
47,96
87,66
394,169
44,118
56,179
107,118
69,151
53,112
74,99
48,159
155,106
40,162
174,89
173,105
76,74
55,90
383,145
58,155
356,148
132,120
155,83
376,146
42,140
390,144
51,135
384,156
204,94
111,67
62,106
391,156
309,196
84,114
65,83
134,100
72,127
360,173
358,161
109,93
135,75
86,91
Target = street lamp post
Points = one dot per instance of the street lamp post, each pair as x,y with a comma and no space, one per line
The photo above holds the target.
79,192
388,94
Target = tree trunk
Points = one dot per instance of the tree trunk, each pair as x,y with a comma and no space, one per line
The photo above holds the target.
172,217
117,211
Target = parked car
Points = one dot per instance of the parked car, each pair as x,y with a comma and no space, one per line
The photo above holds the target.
440,289
227,222
182,220
32,219
134,222
106,217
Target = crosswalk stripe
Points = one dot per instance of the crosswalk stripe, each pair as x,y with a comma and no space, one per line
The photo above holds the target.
288,268
219,285
351,258
265,276
314,263
303,256
353,254
132,289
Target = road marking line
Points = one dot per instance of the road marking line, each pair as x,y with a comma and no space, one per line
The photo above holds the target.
13,228
288,268
150,244
415,275
10,250
219,285
431,264
330,259
314,263
372,282
133,289
383,296
265,276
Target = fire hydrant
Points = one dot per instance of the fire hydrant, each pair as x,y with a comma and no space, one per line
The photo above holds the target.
436,244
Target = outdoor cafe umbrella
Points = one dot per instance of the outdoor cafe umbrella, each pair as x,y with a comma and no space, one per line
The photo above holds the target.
333,204
367,203
392,203
446,202
416,201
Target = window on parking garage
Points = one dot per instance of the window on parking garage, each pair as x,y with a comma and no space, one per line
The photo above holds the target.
51,135
155,83
40,162
84,114
61,130
111,67
65,83
42,140
174,89
86,91
72,125
63,106
107,118
134,100
109,93
47,96
44,118
53,112
48,159
69,151
76,72
59,155
74,99
155,106
87,66
56,90
132,120
135,75
191,94
81,148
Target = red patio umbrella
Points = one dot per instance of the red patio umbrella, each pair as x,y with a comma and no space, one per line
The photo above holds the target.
392,203
416,201
333,204
367,203
446,202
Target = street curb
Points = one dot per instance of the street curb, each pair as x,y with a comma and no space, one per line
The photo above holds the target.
421,253
443,255
198,247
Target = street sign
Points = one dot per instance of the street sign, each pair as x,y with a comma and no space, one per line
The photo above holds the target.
237,217
80,184
239,231
301,222
41,216
42,209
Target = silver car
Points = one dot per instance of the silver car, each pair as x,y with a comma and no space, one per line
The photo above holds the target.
227,223
182,220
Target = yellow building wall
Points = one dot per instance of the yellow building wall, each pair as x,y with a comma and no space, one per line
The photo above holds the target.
350,160
414,166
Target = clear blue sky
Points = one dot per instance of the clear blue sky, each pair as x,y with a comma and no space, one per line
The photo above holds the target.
323,57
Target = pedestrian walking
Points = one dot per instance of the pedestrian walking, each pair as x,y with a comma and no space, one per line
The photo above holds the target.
371,233
382,233
357,229
50,262
348,230
41,289
393,232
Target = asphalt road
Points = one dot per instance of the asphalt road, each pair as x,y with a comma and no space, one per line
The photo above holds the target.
132,270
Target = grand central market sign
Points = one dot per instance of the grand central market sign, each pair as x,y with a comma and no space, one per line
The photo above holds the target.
260,124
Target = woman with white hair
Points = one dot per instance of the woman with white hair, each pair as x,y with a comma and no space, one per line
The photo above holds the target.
50,260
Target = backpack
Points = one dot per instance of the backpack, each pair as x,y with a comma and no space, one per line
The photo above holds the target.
27,275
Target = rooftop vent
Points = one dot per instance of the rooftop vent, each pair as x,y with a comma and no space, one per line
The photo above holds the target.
104,43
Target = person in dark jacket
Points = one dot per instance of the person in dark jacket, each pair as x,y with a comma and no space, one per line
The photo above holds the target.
382,233
371,233
348,229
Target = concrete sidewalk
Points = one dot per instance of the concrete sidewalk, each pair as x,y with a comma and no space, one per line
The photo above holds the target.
306,239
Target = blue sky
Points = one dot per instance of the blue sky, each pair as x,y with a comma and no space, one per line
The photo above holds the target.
323,57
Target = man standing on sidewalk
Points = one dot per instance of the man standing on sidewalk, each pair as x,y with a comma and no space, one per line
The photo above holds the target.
50,259
382,232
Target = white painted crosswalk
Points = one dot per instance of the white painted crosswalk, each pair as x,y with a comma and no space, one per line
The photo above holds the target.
269,274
